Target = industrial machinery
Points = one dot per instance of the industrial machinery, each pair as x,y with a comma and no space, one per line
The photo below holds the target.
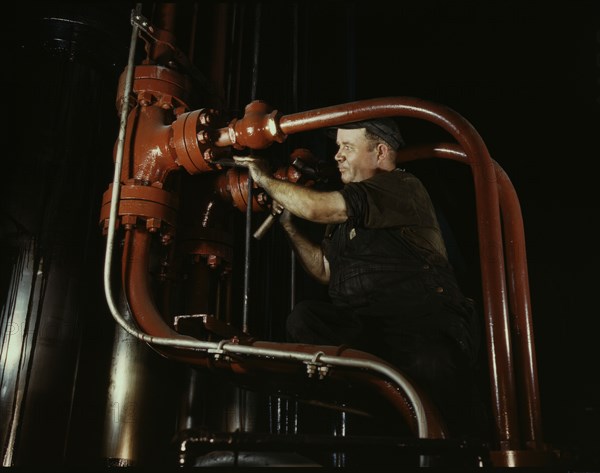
198,351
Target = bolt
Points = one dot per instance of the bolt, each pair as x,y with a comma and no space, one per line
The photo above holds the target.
209,155
262,198
129,221
204,118
166,102
153,224
145,98
203,136
213,261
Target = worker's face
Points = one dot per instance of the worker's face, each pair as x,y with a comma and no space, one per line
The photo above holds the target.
356,161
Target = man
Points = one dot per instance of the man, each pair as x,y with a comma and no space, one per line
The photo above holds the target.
393,292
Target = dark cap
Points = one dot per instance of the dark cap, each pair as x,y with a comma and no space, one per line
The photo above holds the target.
384,128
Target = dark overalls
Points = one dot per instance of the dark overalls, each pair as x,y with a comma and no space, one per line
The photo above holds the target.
393,292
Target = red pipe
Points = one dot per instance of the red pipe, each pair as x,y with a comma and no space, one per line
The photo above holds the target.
159,52
519,294
516,258
149,157
136,255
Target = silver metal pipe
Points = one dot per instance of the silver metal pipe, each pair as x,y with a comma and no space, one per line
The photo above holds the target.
125,432
116,189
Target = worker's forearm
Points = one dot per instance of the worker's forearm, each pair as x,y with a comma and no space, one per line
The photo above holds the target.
310,254
306,203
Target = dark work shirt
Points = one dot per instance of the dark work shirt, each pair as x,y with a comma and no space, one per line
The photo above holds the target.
388,260
396,200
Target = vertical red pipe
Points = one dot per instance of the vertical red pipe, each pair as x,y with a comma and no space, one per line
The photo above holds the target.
519,294
514,243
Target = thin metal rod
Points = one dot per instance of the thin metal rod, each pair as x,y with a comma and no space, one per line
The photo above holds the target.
295,105
248,235
247,240
256,51
116,184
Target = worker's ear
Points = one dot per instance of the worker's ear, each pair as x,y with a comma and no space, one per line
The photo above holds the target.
383,153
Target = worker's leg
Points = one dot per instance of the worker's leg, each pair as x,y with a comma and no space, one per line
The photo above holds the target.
322,323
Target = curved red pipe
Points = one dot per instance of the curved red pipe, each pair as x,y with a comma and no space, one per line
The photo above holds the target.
136,255
519,293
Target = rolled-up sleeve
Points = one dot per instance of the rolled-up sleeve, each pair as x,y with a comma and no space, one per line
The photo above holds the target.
389,199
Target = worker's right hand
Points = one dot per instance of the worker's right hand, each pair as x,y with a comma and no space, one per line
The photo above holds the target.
258,167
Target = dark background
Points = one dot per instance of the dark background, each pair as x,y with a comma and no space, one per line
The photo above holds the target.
526,75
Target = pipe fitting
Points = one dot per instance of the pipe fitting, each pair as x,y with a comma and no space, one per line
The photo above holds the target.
153,83
258,128
193,140
152,205
316,367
